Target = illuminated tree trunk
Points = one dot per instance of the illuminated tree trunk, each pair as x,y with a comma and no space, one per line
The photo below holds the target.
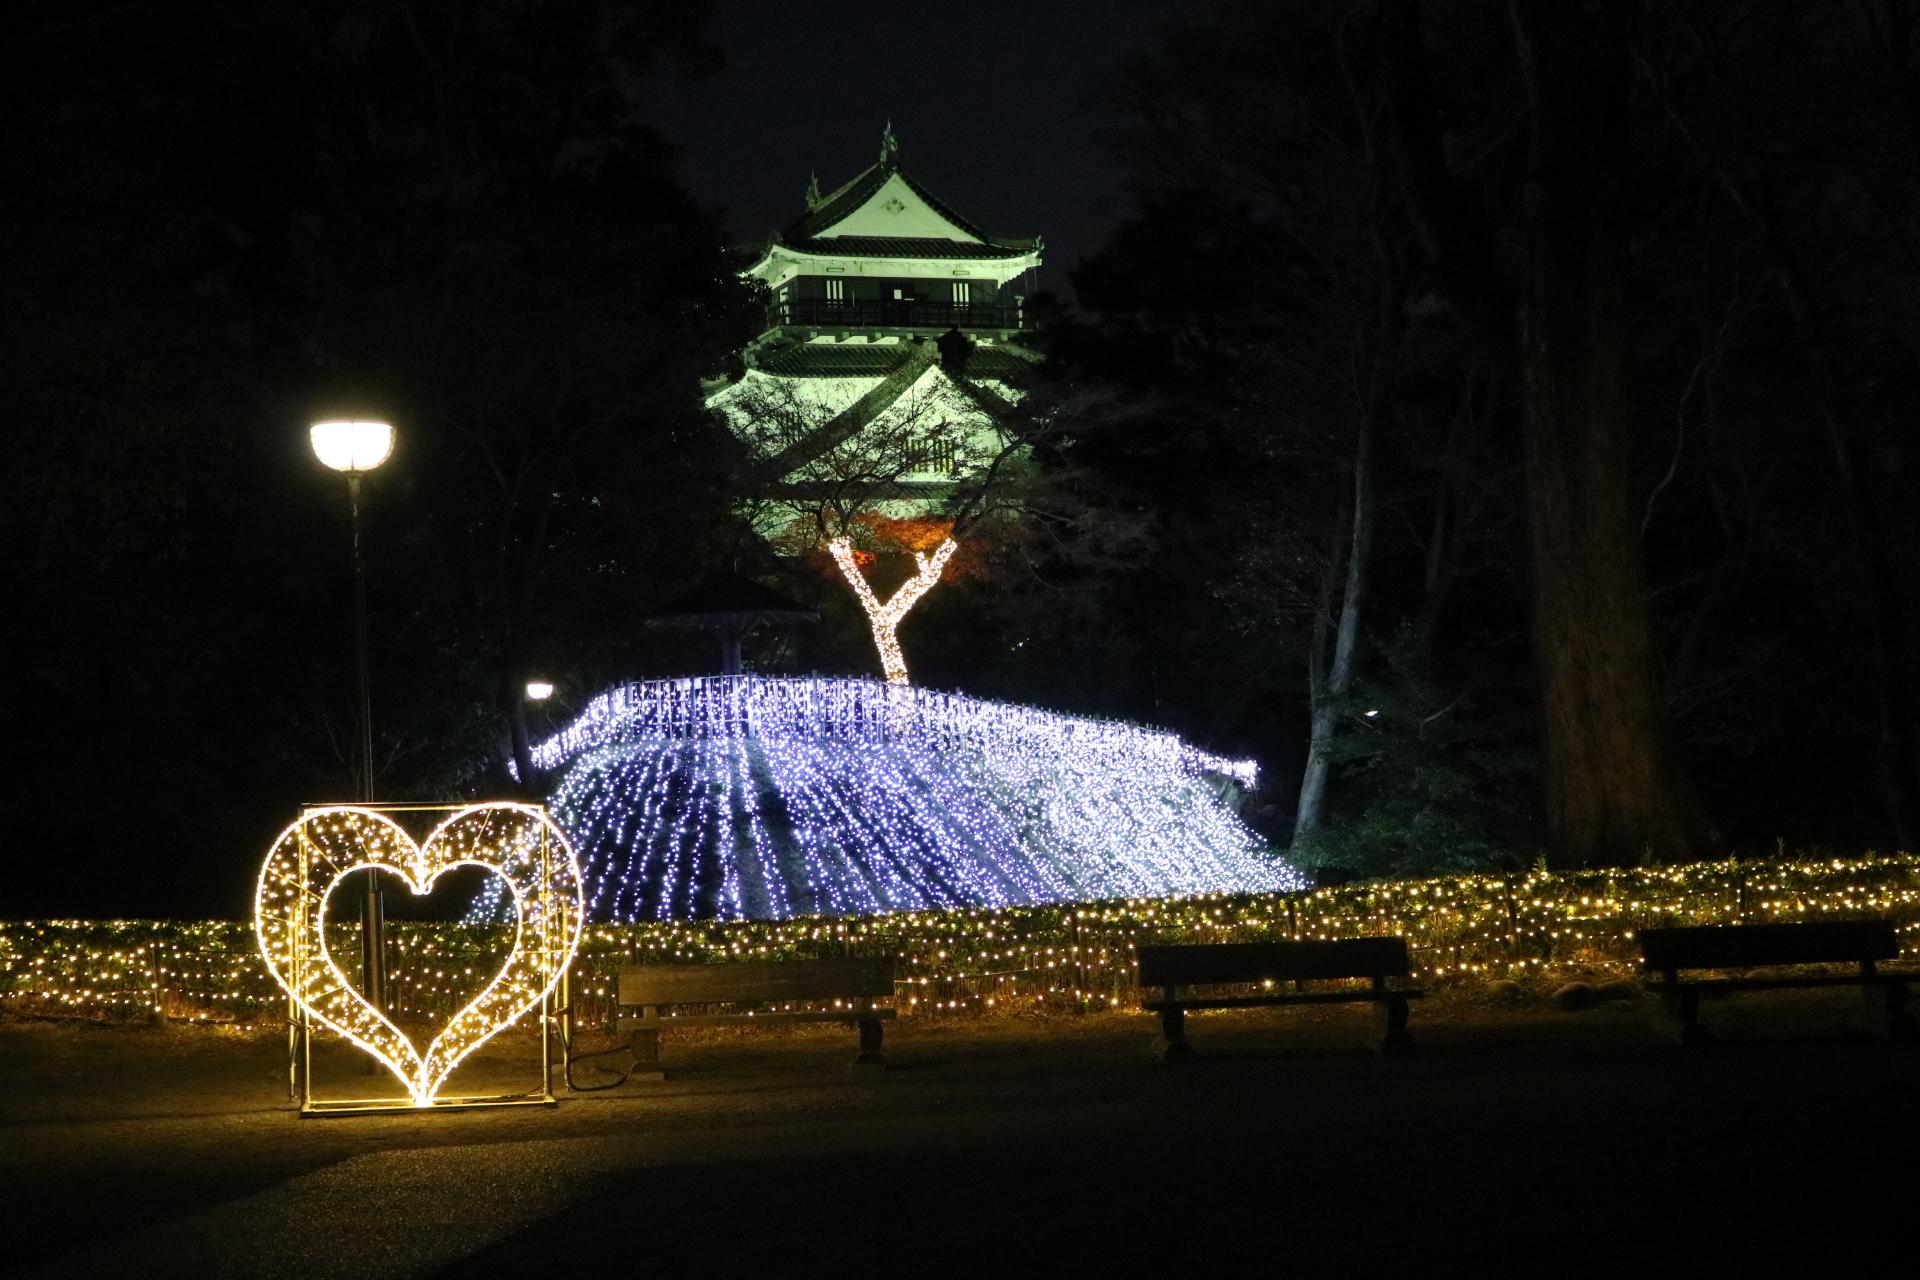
885,618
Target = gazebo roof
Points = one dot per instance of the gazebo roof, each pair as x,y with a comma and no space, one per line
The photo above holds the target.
728,599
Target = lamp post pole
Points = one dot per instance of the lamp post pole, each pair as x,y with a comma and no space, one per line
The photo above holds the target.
355,448
373,923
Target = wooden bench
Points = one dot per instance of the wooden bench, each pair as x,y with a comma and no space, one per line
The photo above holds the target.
658,989
1243,963
1665,954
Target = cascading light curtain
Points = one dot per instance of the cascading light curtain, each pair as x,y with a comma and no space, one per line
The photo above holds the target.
756,797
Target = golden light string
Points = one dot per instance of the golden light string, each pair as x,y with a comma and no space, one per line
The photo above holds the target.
983,960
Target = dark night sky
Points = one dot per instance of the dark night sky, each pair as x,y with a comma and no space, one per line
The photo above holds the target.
990,101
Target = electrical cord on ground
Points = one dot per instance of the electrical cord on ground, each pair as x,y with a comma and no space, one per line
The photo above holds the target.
568,1057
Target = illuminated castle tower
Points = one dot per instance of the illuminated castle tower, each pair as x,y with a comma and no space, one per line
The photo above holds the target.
891,327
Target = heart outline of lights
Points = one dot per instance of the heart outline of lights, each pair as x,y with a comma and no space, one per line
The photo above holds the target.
519,843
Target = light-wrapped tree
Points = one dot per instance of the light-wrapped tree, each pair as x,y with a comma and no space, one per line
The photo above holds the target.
913,537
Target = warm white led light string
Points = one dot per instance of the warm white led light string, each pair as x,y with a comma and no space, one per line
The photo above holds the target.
528,854
885,618
745,796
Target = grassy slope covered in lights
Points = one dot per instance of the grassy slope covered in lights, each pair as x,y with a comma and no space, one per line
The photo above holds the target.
751,797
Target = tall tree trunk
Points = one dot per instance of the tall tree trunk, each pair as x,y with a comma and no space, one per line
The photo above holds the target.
1612,793
1330,675
1333,653
1310,810
1613,797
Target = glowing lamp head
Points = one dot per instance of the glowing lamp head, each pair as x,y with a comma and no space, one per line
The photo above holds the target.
352,446
1371,713
539,690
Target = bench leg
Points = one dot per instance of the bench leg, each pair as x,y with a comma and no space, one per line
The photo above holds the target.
1684,1004
1887,1004
646,1056
871,1031
1394,1040
1171,1044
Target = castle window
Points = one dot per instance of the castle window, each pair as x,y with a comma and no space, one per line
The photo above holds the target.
836,291
935,455
962,293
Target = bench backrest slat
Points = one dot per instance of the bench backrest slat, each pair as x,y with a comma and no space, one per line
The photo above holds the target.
1741,946
1280,961
855,977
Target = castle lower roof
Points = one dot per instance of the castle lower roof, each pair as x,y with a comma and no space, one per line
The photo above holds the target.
876,360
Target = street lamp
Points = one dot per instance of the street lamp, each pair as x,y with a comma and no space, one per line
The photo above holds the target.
352,447
355,448
539,690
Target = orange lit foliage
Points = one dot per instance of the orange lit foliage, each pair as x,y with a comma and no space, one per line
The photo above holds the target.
891,543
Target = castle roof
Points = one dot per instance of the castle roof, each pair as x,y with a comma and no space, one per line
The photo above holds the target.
884,212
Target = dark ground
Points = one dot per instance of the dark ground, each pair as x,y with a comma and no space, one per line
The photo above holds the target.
1519,1142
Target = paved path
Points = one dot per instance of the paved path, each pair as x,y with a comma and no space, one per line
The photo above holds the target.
1518,1143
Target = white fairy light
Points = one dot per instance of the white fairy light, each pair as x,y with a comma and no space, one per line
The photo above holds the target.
519,843
764,797
885,618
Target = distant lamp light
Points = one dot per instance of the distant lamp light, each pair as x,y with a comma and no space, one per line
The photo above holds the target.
352,446
1371,712
539,690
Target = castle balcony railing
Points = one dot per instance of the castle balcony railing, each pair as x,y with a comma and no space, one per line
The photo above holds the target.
820,313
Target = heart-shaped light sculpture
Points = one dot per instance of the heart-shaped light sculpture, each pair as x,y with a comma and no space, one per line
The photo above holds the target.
517,842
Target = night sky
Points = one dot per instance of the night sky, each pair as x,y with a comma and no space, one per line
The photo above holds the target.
995,105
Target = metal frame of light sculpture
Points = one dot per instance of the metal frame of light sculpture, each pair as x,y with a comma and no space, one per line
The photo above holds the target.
519,843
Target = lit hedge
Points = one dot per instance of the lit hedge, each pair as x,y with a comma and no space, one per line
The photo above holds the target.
979,960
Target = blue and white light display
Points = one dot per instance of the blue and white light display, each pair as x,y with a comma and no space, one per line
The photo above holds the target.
746,796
